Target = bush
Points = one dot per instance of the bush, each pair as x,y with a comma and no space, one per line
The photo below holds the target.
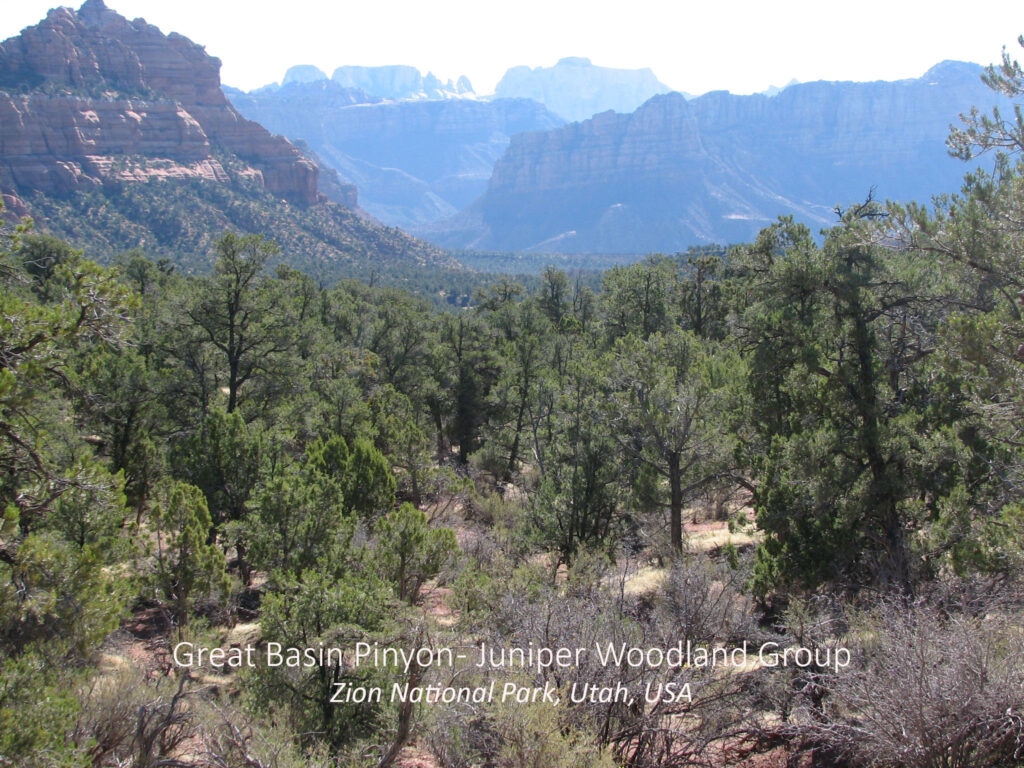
926,691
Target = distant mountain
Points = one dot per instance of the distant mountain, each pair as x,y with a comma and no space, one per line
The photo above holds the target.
720,167
774,90
118,136
401,82
414,162
576,89
303,73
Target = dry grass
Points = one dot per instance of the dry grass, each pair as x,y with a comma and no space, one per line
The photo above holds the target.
645,581
710,539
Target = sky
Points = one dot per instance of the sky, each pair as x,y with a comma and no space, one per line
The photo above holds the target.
736,45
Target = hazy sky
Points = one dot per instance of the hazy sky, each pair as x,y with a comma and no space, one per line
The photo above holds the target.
691,46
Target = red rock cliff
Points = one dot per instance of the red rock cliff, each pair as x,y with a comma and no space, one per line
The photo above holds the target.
82,90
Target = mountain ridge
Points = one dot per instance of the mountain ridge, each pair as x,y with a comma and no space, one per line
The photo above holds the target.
717,168
100,86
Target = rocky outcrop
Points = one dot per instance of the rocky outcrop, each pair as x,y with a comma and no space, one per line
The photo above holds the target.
86,96
413,161
719,168
576,89
400,82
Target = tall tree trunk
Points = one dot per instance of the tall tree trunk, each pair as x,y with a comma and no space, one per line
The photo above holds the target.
232,385
513,458
675,501
884,494
406,710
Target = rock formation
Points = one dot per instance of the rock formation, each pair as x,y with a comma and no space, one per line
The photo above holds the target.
576,89
115,136
720,167
89,96
303,73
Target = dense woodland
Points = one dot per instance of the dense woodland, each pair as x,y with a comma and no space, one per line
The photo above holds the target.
249,457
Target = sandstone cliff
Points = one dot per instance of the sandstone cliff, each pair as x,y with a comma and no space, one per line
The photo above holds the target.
719,168
88,97
303,73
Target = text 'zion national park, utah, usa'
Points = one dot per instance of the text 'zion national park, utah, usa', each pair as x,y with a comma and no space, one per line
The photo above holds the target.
444,385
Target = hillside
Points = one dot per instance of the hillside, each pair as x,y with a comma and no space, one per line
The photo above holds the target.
118,136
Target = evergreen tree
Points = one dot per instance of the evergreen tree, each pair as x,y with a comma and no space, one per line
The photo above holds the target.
672,394
188,565
410,553
855,445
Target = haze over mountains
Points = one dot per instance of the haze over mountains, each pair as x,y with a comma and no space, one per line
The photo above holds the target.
576,89
418,150
677,171
390,82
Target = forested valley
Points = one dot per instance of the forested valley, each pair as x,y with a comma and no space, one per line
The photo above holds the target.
796,443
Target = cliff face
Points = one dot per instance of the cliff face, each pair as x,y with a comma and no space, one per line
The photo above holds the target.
576,89
719,168
413,161
81,90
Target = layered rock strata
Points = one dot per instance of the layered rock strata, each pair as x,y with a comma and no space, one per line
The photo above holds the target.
89,96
